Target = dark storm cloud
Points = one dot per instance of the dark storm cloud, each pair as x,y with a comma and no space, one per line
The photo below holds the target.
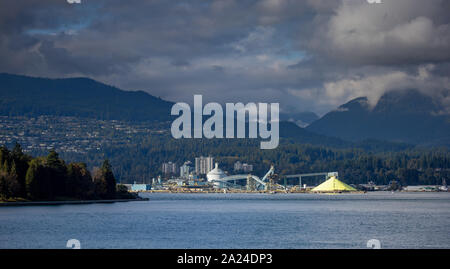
180,63
307,55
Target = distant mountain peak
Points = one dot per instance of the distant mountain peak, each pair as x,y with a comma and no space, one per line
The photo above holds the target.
407,101
360,103
401,116
80,96
302,119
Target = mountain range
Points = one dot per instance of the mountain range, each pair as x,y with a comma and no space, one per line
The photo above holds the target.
401,116
407,116
81,97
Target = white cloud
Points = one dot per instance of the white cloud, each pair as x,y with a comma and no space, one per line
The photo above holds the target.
258,39
235,50
397,31
335,93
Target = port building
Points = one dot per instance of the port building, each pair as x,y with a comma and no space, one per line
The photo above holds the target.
141,187
215,174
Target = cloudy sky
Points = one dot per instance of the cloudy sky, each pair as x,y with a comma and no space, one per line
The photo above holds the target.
310,55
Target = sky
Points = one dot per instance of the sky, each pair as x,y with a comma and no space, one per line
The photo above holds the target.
311,55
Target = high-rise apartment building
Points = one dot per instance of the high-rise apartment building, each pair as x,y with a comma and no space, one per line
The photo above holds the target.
238,166
169,168
203,165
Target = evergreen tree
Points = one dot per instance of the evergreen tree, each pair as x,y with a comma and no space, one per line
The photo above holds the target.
105,183
9,186
57,172
4,157
21,165
36,181
110,179
79,181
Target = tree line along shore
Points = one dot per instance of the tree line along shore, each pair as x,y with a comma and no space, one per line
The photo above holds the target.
25,178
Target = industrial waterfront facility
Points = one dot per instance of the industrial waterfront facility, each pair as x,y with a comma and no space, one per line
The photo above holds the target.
217,180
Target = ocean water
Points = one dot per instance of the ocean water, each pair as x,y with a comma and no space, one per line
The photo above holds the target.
398,220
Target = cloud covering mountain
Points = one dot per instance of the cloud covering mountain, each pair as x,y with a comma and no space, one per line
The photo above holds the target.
307,55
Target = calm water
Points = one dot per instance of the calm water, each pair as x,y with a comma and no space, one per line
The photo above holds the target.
400,220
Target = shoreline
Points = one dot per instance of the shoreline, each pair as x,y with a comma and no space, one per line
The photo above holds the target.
40,203
277,192
109,201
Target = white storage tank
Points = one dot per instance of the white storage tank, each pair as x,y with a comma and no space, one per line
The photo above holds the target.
215,174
